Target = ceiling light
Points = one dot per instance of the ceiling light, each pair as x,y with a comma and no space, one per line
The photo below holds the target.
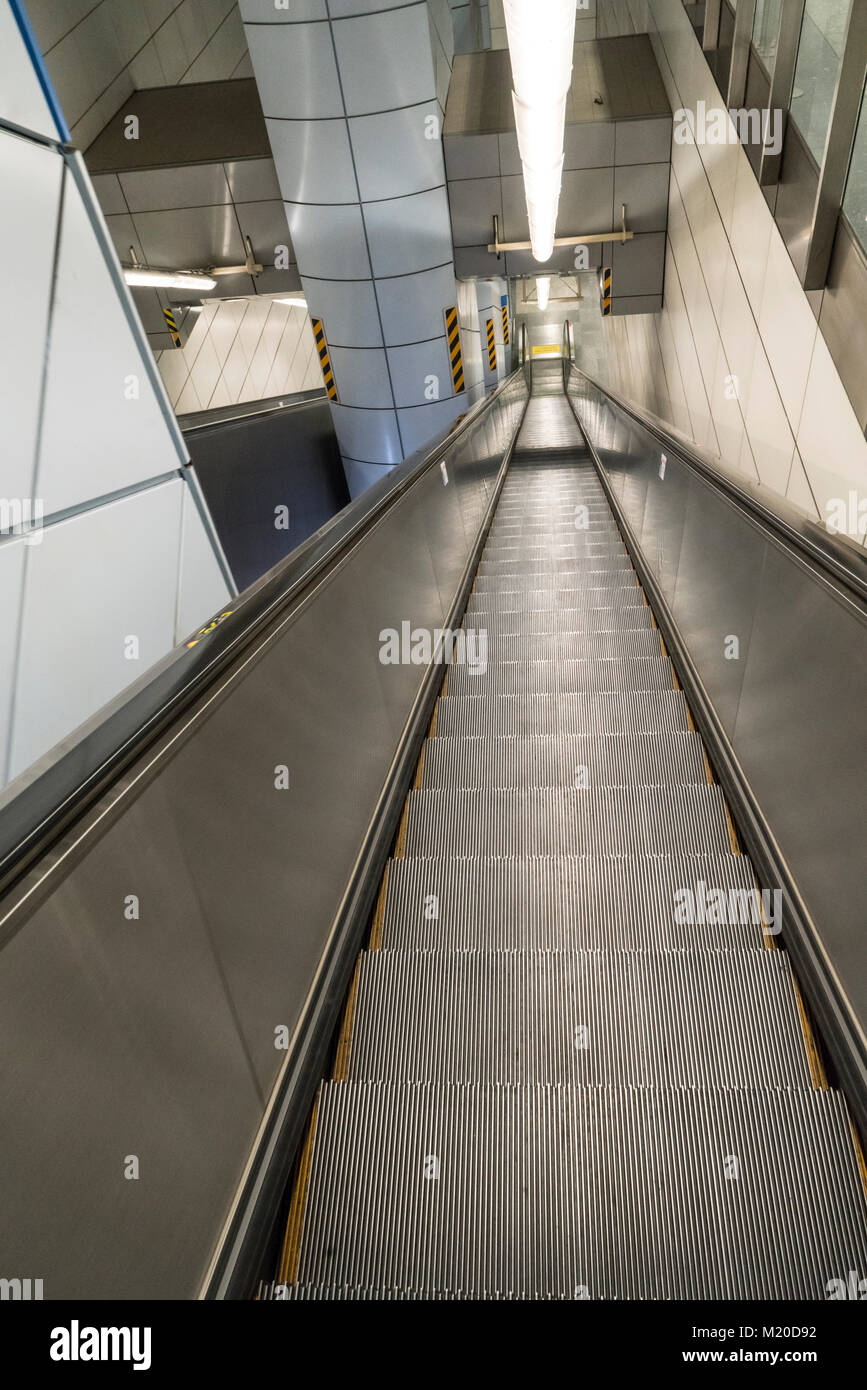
541,57
543,287
139,275
295,303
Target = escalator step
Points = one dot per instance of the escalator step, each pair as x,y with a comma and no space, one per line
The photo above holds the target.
618,577
562,620
627,643
606,760
544,677
647,712
546,566
561,1192
633,820
597,1018
568,904
549,600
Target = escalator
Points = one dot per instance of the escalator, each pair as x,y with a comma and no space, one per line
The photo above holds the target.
423,980
560,1072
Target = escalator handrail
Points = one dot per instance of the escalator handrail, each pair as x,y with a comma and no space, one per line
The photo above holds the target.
841,557
37,807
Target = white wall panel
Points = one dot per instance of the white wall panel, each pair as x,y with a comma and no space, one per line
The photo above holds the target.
95,580
30,176
97,436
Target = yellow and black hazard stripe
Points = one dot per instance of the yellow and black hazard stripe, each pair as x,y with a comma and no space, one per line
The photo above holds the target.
171,325
456,357
605,289
492,347
506,324
324,359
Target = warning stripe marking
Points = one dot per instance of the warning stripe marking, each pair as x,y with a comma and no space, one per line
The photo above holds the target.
172,326
606,291
506,324
324,358
492,347
456,357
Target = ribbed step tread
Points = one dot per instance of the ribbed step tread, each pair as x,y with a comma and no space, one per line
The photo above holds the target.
604,1193
587,903
629,820
609,760
536,600
643,712
600,1018
531,568
547,677
534,547
554,621
590,577
627,644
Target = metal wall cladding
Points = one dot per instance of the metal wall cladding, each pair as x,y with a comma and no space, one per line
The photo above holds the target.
153,1036
791,700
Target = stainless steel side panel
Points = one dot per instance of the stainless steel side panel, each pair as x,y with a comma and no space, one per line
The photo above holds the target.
151,1037
792,700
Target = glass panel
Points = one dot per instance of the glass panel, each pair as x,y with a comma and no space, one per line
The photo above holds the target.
819,56
766,27
855,197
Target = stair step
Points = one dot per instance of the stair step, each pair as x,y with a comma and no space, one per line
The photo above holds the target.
605,760
645,712
627,643
564,903
547,677
536,600
591,577
562,1192
592,1018
529,822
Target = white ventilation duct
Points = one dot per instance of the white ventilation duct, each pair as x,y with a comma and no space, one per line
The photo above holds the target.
541,39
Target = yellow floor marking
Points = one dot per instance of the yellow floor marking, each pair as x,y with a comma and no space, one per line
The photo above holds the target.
341,1061
291,1255
419,772
814,1057
400,846
733,834
432,731
859,1154
707,767
445,685
379,915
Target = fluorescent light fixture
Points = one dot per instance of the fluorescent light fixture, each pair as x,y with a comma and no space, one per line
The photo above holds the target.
141,276
540,49
294,303
543,289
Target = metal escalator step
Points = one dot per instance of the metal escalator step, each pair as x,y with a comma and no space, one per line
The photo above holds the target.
557,1191
595,577
590,1018
646,712
547,677
540,566
609,760
585,903
627,820
495,550
555,528
627,642
532,600
560,622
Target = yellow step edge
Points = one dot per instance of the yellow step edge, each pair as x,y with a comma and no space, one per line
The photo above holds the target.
291,1254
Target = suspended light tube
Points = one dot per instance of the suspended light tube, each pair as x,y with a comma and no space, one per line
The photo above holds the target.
541,39
543,289
139,276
